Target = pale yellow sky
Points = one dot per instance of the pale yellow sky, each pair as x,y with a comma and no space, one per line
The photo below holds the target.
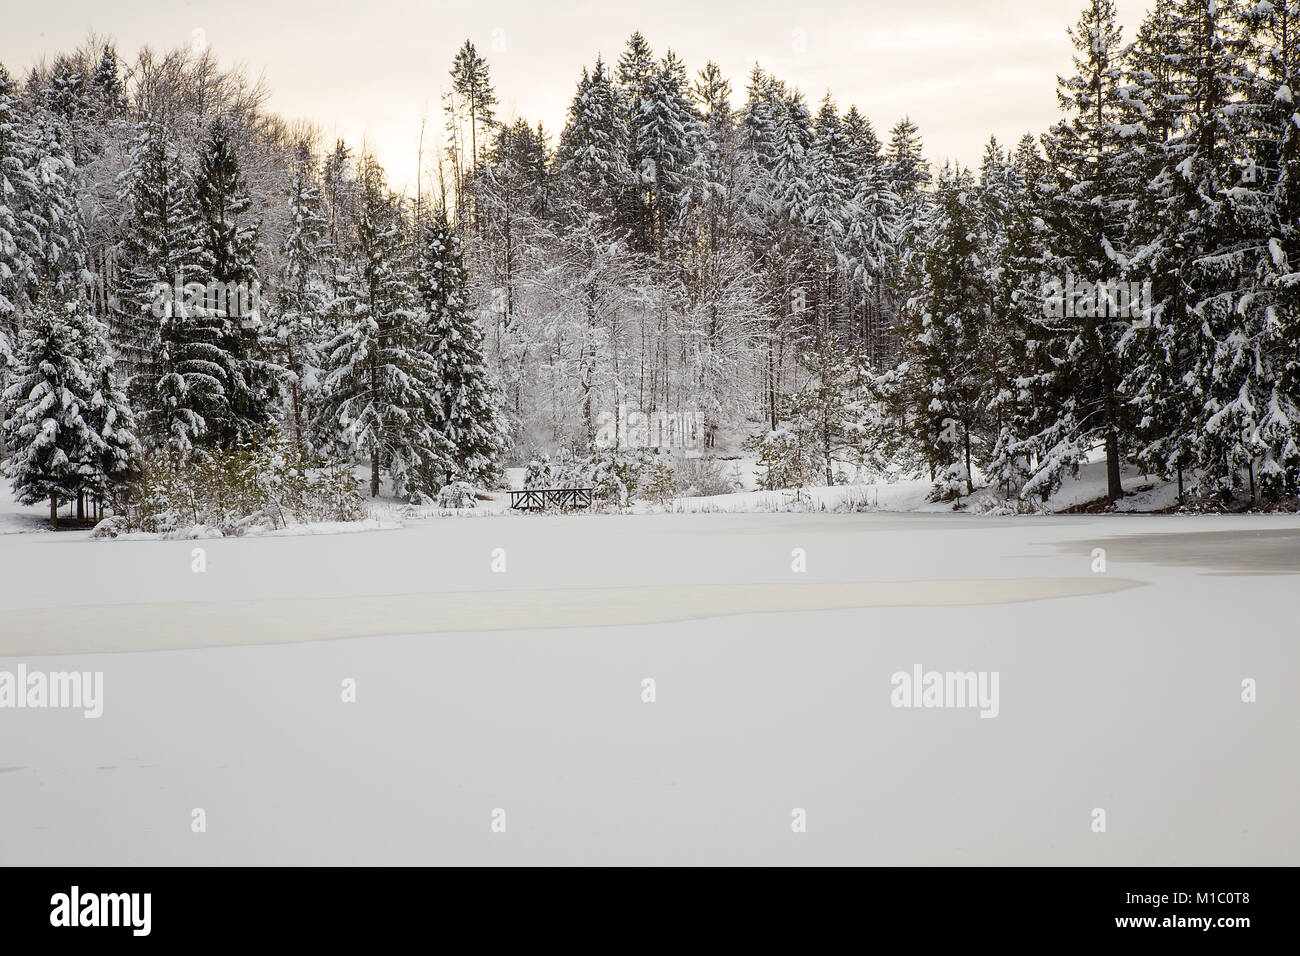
963,69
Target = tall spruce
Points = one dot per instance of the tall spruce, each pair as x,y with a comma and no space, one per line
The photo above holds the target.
1085,149
377,387
466,406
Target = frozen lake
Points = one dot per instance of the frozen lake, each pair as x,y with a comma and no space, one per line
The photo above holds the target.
522,690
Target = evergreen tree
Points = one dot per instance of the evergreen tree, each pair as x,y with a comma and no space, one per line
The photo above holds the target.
863,144
636,76
665,130
376,394
1086,149
823,409
111,417
594,145
947,315
231,331
303,294
55,452
1022,372
466,407
66,95
54,216
175,375
1158,383
471,82
18,238
1273,311
107,83
905,164
824,210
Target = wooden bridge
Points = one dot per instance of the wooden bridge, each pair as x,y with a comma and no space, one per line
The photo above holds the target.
539,499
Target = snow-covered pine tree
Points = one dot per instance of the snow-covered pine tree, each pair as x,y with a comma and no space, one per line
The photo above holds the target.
303,293
471,82
1158,359
67,95
905,163
823,409
864,145
171,371
112,419
666,133
377,386
1020,367
1273,64
777,135
17,235
54,214
634,77
907,179
107,83
823,215
471,118
339,194
794,141
946,319
594,145
1199,381
231,333
1086,150
465,399
54,451
871,242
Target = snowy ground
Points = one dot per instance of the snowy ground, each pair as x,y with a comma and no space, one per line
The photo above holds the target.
478,691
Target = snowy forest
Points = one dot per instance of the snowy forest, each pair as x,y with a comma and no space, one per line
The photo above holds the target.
195,291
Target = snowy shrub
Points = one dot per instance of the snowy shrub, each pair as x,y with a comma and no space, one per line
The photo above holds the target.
660,482
568,470
999,507
268,486
539,473
951,483
783,460
111,527
458,494
704,477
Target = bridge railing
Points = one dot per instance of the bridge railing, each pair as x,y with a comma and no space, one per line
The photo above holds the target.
539,499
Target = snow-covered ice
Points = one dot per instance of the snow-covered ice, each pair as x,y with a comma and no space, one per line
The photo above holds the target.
1119,691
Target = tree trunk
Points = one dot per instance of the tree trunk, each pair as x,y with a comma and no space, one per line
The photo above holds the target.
826,447
81,506
970,483
771,382
54,510
374,473
1114,488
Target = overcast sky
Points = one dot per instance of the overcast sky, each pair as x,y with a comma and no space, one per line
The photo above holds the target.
962,69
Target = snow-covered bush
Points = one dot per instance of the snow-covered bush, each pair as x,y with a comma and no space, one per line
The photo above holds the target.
270,485
705,477
458,494
951,483
783,460
660,482
539,473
